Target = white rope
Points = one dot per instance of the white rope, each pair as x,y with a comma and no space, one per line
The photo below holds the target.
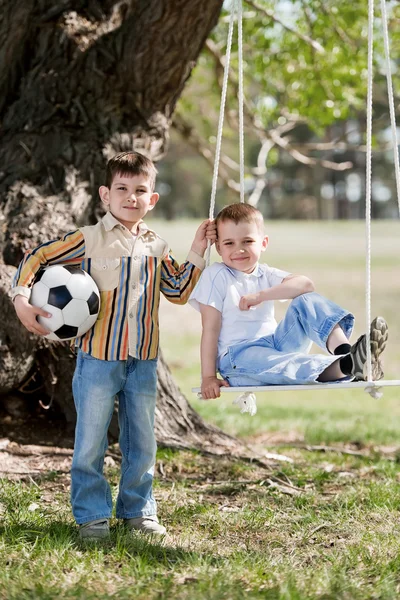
368,187
247,402
391,99
236,7
220,125
241,98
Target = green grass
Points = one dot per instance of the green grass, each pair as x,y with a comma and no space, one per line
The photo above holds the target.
232,535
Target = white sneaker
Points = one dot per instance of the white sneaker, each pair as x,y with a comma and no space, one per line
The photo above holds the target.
94,530
148,525
358,352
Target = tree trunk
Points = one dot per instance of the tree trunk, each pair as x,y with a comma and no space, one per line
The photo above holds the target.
82,81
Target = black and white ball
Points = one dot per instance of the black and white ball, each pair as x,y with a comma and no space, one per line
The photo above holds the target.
72,298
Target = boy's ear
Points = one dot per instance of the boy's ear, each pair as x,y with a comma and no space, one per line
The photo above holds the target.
153,200
217,246
104,194
264,244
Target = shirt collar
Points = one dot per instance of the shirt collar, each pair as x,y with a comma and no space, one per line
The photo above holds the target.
109,222
257,272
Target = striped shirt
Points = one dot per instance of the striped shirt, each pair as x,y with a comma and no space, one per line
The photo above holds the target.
130,273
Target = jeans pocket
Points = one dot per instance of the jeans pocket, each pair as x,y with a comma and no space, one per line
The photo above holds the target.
86,356
225,363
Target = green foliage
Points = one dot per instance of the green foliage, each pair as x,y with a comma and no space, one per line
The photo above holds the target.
305,70
308,60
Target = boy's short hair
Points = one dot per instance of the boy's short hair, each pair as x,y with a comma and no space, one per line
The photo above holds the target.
130,163
239,213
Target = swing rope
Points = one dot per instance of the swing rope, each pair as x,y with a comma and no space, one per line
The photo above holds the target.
220,127
368,197
241,98
368,187
236,7
247,399
391,99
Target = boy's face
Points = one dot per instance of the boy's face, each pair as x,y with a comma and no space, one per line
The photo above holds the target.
240,245
129,198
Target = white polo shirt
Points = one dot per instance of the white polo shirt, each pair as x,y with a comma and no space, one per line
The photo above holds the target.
222,287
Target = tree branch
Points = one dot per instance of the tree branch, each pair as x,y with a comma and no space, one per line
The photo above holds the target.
284,143
270,14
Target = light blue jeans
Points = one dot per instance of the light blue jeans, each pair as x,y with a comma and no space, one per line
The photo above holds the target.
282,358
95,385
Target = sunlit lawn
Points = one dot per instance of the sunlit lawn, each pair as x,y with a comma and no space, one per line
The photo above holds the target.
333,535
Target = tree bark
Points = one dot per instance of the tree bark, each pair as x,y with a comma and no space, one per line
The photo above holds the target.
82,81
81,84
17,346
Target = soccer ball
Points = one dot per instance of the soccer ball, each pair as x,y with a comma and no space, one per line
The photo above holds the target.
71,297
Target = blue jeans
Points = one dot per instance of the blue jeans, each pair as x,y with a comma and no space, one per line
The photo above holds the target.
282,358
95,385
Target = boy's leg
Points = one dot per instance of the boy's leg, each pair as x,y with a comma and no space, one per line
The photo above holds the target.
257,362
95,384
137,401
282,358
311,318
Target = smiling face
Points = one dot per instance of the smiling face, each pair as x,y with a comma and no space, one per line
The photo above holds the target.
240,244
129,198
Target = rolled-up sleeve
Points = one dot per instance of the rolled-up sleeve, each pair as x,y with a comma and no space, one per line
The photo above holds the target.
210,290
68,250
178,281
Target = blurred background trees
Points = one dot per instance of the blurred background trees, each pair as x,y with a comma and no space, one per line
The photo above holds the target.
305,102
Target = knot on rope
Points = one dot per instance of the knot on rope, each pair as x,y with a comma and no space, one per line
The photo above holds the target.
374,392
247,403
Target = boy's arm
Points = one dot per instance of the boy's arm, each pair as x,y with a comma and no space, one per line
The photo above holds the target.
211,323
178,281
70,249
207,232
291,287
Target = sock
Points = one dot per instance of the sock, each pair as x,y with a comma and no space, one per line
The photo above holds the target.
346,364
342,349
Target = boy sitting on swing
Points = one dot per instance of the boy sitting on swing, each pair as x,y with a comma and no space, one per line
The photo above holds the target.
241,338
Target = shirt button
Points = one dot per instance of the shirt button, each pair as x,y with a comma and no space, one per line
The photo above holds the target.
104,267
135,258
131,315
134,286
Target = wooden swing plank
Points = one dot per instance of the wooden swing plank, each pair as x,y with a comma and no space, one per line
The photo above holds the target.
308,387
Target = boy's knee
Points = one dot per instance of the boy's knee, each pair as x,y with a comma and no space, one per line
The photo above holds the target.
305,298
310,301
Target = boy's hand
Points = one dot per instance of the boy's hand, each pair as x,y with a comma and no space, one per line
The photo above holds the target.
210,387
27,315
206,231
246,302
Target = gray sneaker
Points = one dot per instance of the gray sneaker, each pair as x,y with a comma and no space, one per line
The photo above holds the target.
148,525
358,352
94,530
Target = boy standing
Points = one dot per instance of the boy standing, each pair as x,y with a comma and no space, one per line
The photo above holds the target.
241,338
131,265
